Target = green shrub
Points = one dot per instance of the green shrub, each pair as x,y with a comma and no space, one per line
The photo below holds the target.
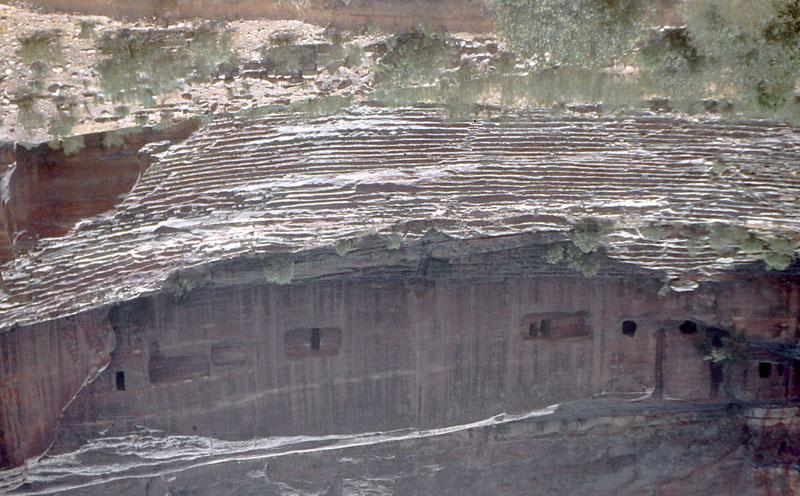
749,46
87,28
416,58
42,46
672,63
581,32
554,254
341,54
589,234
62,123
587,263
29,116
73,145
394,241
140,65
279,270
181,289
112,139
344,246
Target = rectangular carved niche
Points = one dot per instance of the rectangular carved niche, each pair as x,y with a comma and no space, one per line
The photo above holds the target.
554,326
178,368
312,341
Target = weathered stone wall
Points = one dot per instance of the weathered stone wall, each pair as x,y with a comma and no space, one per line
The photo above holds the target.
773,436
413,352
375,351
591,448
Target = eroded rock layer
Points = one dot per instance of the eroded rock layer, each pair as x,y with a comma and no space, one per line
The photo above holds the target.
47,190
597,447
285,183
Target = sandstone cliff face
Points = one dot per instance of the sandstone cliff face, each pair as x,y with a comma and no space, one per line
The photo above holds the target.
372,353
42,368
408,341
283,182
398,330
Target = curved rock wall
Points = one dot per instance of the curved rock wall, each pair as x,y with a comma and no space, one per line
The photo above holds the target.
350,355
455,341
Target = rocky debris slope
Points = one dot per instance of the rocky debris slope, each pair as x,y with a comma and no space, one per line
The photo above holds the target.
65,75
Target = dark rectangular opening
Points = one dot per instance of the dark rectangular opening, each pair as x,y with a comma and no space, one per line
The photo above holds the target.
554,326
539,329
315,339
312,341
120,376
717,376
764,369
629,328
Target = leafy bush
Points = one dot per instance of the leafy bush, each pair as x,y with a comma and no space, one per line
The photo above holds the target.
671,62
73,145
42,46
279,269
87,28
587,263
113,139
140,65
582,32
777,252
416,57
588,234
344,246
62,123
394,241
181,289
749,46
341,54
29,116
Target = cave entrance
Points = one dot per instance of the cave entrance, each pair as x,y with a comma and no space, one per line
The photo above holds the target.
120,380
688,327
629,328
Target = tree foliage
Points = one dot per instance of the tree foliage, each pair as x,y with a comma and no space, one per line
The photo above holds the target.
140,65
582,32
746,50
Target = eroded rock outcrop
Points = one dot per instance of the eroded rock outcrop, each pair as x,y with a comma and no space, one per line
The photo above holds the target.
50,187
